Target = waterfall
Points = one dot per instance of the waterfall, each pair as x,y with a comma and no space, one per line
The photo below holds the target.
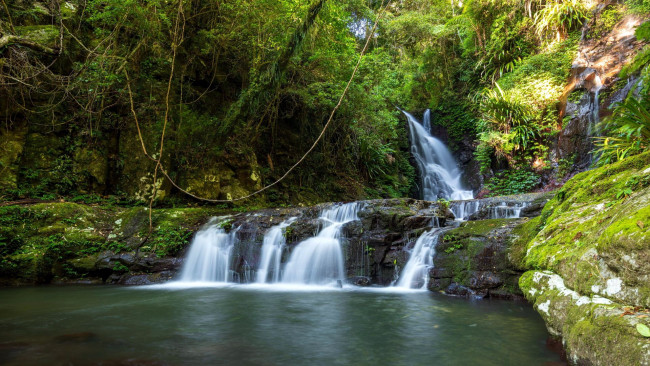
416,271
594,118
319,260
272,246
441,176
209,257
426,121
505,211
464,209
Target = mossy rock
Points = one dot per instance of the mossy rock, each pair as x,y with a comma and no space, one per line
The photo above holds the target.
596,330
473,257
46,35
12,143
589,255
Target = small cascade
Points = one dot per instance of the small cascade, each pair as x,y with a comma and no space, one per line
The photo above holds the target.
416,270
594,106
441,176
209,257
464,209
272,246
319,260
426,121
505,211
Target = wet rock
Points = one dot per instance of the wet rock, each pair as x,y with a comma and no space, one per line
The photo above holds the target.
471,260
146,278
594,73
361,281
458,290
586,258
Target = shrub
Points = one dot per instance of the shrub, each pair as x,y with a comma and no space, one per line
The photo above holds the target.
513,182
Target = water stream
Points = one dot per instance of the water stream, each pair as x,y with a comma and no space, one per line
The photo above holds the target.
270,264
416,271
319,260
441,176
505,210
209,257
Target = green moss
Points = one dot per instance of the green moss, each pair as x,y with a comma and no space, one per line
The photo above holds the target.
519,239
590,233
11,147
608,339
629,232
478,228
46,35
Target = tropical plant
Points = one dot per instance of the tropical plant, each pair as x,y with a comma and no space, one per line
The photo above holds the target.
629,131
507,115
560,16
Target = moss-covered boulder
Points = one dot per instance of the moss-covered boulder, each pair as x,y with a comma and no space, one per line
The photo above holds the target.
12,142
64,241
593,237
471,260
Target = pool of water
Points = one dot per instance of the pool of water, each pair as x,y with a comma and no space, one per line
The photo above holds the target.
257,325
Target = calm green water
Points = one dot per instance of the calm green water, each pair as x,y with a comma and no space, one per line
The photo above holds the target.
244,326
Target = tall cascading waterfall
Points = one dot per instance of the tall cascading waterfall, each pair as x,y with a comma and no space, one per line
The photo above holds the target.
272,246
210,255
319,260
441,176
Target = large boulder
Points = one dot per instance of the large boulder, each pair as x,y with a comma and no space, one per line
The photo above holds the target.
587,259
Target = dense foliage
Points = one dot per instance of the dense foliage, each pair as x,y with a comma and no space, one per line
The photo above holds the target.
226,88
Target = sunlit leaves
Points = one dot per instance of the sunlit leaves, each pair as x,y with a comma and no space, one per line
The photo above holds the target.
560,16
627,131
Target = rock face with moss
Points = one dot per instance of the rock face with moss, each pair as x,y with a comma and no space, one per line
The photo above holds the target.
471,260
594,86
587,259
63,242
71,242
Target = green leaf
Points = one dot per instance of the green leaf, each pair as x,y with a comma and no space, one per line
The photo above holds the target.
643,329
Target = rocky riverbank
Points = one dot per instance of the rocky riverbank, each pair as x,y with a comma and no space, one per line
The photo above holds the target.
63,242
581,259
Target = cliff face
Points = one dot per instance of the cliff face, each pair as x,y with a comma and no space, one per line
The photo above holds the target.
587,262
594,85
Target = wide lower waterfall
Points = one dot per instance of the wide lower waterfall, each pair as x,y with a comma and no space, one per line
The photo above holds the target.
270,263
319,260
209,257
441,176
416,271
